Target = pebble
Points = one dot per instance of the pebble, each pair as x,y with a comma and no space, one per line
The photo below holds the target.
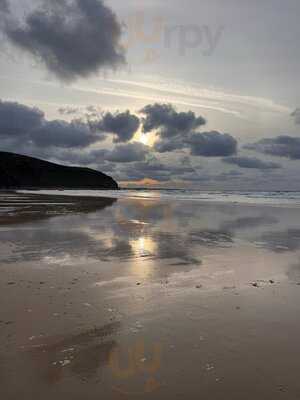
209,367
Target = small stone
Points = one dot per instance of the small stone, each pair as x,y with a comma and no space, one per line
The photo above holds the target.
255,284
271,281
281,388
209,367
198,286
138,284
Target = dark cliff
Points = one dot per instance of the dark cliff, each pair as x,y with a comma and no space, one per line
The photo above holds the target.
17,171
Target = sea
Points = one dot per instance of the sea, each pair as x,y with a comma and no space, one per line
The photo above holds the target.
273,198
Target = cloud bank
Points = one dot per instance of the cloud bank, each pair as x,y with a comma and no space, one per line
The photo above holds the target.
251,163
281,146
23,126
104,140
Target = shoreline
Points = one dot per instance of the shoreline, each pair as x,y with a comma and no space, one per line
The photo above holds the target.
146,195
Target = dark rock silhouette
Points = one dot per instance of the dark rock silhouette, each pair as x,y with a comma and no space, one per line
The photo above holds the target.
18,171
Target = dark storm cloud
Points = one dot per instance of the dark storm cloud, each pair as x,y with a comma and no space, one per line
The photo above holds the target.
212,144
168,121
17,119
281,146
127,153
122,125
73,38
251,163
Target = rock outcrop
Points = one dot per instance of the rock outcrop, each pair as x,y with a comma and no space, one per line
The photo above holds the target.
18,171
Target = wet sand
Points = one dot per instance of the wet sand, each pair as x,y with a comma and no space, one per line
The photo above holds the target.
147,298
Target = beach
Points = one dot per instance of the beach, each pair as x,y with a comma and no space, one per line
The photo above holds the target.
154,298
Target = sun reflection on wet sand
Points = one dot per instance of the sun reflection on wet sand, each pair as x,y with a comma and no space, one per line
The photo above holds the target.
144,248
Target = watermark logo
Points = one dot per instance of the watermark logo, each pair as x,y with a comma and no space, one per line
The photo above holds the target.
155,34
138,364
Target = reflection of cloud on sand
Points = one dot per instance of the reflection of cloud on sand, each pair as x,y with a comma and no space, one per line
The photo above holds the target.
82,355
281,242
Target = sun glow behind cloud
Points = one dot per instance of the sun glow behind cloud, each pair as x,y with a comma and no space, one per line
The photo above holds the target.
148,139
144,139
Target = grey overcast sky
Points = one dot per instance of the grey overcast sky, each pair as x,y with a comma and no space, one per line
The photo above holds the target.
170,93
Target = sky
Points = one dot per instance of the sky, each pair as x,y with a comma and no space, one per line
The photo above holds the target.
155,93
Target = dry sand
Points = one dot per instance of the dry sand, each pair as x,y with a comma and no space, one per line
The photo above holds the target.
104,299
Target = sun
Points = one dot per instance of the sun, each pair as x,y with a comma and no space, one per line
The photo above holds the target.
147,139
144,138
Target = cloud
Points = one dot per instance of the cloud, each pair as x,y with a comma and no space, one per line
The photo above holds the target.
168,121
17,119
281,146
122,125
25,126
156,169
104,159
4,6
73,38
296,115
62,134
172,128
169,145
177,131
68,110
251,163
212,144
127,153
26,130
